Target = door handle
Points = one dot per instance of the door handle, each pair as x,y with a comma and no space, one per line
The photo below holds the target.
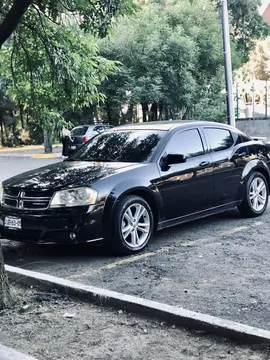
205,163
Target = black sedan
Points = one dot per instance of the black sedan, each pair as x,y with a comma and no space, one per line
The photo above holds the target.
128,182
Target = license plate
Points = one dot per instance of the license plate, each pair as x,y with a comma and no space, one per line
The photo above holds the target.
73,147
13,222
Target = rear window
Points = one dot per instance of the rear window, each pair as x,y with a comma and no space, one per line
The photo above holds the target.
79,131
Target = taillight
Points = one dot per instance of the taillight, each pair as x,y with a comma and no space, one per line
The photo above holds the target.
85,138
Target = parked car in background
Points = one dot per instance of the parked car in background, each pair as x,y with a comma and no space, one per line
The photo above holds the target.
126,183
81,134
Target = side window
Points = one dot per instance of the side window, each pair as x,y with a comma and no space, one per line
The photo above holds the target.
245,137
99,128
188,143
238,138
218,139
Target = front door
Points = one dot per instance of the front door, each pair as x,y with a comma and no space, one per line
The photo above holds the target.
188,187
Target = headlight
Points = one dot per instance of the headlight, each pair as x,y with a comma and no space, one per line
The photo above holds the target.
74,197
1,193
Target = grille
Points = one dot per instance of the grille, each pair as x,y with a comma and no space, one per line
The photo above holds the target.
26,199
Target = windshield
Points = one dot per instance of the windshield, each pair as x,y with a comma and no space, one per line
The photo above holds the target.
123,146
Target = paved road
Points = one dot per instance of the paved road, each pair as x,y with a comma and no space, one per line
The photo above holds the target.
12,166
218,265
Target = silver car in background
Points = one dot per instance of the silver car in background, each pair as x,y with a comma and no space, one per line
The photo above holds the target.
81,134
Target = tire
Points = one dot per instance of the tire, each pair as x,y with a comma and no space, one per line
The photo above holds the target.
256,195
127,236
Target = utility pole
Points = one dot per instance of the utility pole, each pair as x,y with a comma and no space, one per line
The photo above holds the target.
266,100
227,62
237,102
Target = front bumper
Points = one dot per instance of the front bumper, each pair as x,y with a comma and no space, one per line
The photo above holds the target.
55,225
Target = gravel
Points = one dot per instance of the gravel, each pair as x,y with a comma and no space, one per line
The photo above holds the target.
218,266
50,326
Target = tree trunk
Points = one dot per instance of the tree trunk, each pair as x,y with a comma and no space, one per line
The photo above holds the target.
14,128
144,110
160,112
154,110
130,113
21,115
47,142
5,295
109,112
13,18
2,133
166,110
171,114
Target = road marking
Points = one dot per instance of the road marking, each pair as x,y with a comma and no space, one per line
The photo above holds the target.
258,223
235,230
119,263
45,156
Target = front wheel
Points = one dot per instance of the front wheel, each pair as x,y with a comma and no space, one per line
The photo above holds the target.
256,196
133,225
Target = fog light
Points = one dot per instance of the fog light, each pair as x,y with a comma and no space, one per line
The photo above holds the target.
72,235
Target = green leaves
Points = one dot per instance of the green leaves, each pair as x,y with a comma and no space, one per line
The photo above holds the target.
53,69
168,53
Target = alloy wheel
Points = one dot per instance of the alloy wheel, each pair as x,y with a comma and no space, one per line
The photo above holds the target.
258,194
135,225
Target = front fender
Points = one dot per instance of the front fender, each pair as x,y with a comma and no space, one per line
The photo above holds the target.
126,187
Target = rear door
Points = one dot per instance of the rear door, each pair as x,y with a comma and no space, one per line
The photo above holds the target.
229,157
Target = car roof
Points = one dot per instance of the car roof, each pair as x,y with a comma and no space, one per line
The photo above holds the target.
169,125
91,125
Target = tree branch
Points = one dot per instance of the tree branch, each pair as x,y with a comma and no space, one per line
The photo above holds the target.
13,18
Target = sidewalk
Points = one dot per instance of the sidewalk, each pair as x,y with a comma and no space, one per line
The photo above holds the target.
32,151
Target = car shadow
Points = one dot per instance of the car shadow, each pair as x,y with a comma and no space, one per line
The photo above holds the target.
32,255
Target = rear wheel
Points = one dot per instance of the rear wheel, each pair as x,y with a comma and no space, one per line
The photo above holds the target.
133,225
256,196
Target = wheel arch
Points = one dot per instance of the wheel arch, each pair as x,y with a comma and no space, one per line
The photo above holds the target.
257,166
142,192
265,173
148,197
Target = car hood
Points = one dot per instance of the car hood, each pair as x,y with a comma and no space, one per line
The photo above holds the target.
67,174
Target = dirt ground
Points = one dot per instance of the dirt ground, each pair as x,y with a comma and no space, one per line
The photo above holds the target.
51,326
217,266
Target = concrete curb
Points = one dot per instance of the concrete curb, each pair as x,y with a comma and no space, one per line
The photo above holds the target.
171,314
7,353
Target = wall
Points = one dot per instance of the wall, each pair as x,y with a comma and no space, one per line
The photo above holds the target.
266,14
259,127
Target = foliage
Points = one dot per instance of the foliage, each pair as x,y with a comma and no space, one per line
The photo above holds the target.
247,25
52,70
93,16
169,55
51,62
172,55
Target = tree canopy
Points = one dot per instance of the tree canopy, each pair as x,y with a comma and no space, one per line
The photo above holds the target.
91,15
50,59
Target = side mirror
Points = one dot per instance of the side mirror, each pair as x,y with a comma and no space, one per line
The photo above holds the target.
175,159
